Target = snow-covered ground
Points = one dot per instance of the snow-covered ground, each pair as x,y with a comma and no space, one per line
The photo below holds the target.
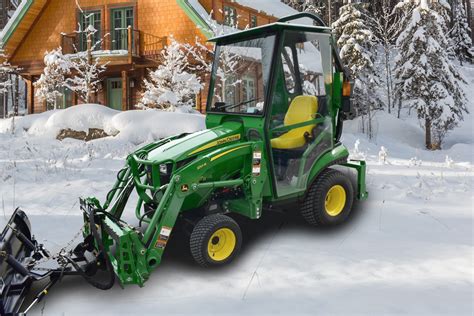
407,250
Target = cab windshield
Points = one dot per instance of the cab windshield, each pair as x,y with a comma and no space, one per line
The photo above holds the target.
241,76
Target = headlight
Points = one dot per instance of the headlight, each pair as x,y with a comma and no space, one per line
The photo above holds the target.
164,169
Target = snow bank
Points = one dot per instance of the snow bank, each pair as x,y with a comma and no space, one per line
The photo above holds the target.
134,126
407,139
141,126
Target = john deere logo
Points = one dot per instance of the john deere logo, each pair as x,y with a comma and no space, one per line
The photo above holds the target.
218,142
228,139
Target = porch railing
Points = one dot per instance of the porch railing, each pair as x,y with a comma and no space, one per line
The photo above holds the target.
124,41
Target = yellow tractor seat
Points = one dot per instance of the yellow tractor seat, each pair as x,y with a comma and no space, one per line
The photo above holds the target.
302,109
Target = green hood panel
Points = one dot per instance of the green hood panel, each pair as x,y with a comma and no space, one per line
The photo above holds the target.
198,143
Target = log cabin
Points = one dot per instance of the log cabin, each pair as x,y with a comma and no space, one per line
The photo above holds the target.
134,32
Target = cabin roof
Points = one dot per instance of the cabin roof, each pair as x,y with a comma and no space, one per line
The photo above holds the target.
20,23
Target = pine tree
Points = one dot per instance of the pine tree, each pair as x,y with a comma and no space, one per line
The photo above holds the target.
50,85
7,72
460,33
172,85
319,7
355,41
426,78
313,6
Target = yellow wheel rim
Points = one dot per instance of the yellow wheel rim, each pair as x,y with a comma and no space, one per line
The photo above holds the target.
335,200
221,245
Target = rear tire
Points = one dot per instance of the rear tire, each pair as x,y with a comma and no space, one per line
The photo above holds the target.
215,240
329,199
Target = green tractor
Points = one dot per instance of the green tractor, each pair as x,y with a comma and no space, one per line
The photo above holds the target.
278,96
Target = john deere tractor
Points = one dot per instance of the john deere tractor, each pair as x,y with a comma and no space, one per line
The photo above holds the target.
278,96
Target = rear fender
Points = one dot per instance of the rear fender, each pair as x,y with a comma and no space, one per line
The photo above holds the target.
336,155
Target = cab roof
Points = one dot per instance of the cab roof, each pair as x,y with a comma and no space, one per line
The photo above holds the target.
267,29
278,26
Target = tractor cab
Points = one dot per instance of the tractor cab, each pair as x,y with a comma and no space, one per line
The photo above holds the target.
284,82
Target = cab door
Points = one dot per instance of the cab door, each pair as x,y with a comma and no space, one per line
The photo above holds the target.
300,127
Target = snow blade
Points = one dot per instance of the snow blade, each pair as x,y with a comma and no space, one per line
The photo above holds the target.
18,253
16,245
24,281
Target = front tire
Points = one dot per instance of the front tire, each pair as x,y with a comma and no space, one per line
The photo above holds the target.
329,199
215,240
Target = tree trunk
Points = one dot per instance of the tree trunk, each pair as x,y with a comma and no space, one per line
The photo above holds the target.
428,143
329,13
387,71
17,96
369,126
469,16
399,107
4,105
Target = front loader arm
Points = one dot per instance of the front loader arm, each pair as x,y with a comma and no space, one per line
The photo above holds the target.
135,254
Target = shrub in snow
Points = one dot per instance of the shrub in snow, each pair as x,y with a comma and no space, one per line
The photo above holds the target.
356,152
460,33
355,40
78,72
50,85
172,85
383,155
86,79
426,79
415,162
449,162
87,70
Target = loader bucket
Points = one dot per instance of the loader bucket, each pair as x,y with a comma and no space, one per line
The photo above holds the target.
15,246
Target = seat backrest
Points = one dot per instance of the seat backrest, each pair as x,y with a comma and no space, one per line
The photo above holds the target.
303,108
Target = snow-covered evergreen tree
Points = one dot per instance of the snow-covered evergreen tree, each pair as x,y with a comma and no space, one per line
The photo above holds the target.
443,8
355,40
50,85
6,69
8,76
426,78
319,7
172,85
460,33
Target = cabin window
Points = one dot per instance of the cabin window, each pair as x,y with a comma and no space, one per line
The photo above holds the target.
63,100
253,21
230,16
249,90
91,19
121,19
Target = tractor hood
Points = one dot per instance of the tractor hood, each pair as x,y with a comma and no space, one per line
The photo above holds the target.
198,143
